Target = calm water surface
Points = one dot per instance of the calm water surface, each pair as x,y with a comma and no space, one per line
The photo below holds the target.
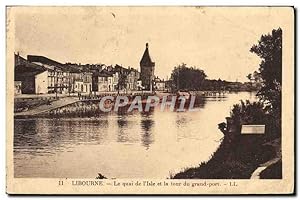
117,145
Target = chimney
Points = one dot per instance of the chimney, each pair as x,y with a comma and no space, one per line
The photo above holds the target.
17,62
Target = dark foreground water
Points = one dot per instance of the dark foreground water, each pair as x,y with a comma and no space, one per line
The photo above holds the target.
117,145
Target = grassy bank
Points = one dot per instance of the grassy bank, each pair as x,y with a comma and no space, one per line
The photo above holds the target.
236,158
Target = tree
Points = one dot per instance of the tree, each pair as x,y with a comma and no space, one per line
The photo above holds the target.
249,76
256,77
269,49
187,78
122,81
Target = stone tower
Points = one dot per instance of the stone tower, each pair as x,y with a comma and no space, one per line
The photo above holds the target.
147,69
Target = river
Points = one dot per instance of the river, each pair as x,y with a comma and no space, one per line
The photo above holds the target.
156,144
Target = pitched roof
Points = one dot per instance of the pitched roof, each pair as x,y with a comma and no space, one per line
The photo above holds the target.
42,59
72,68
102,73
47,61
24,69
28,70
146,59
19,60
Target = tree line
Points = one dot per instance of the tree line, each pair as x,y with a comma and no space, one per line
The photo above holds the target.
188,78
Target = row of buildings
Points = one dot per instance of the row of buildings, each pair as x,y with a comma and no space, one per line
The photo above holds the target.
41,75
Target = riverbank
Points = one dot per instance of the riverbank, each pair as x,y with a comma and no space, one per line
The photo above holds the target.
33,105
238,157
30,104
44,106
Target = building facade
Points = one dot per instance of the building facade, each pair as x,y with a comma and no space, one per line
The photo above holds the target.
18,87
132,79
59,79
31,78
83,83
41,83
103,85
41,75
159,84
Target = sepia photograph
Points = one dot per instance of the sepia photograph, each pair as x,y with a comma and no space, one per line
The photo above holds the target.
117,100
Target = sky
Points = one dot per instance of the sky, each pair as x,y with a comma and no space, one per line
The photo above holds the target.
216,40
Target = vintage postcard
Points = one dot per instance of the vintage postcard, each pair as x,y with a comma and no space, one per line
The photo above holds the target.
150,100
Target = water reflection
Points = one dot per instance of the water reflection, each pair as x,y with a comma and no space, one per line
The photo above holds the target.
147,124
147,144
122,127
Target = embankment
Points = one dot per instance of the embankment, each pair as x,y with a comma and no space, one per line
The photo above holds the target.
237,157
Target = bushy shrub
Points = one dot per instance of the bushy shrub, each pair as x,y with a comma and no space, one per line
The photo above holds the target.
256,113
248,113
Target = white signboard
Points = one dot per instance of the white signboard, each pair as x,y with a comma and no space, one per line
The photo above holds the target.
253,129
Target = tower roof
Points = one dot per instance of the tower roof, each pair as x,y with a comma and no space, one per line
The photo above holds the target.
146,59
